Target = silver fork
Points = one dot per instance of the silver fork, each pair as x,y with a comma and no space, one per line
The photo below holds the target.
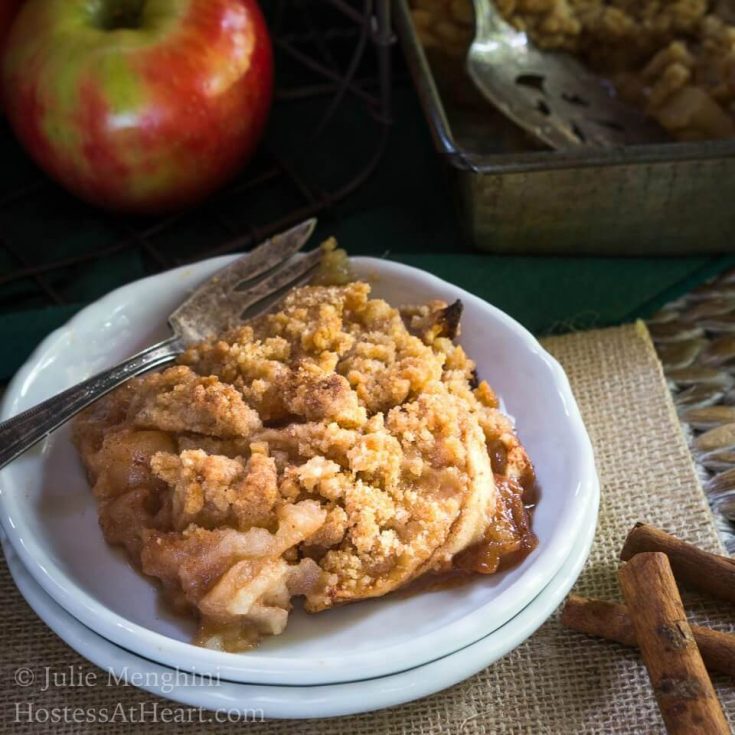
248,286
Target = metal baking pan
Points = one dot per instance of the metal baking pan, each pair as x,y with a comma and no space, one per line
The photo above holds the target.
669,198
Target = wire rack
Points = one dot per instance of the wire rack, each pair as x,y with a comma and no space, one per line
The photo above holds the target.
326,135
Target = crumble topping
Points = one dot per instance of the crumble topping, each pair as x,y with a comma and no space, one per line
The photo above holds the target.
336,449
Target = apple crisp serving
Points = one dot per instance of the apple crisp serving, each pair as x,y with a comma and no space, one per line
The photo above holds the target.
336,449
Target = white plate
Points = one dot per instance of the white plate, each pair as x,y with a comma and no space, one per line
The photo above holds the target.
49,514
311,701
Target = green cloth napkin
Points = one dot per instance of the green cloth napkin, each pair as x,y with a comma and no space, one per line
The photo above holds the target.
404,213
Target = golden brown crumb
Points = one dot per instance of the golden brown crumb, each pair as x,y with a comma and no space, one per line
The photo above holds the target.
336,449
213,490
334,270
179,400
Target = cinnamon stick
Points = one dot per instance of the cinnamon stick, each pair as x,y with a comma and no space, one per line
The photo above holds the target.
692,567
683,689
611,621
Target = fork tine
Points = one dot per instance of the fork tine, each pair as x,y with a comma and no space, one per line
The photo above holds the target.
269,303
266,256
290,273
215,305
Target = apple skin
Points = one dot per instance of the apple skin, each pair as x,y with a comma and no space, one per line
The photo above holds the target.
8,9
141,113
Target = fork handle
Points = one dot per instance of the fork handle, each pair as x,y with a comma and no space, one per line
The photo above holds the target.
24,430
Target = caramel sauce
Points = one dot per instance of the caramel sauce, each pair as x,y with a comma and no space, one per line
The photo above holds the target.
508,538
507,542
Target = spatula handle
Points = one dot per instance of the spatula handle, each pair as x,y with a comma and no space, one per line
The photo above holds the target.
24,430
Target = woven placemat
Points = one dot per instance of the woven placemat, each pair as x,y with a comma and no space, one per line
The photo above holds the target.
695,340
557,682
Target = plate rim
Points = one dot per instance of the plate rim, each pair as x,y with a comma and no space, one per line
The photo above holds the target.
347,698
130,635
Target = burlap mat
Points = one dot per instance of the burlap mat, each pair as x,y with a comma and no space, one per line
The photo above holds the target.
558,681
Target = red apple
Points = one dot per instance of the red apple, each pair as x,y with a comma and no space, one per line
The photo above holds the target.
139,105
8,9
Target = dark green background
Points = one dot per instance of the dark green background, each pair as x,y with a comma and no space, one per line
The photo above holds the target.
404,212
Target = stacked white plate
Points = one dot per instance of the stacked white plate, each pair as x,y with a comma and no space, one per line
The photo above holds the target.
357,658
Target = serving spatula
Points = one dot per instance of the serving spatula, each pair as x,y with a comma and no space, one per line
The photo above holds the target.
250,285
549,94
